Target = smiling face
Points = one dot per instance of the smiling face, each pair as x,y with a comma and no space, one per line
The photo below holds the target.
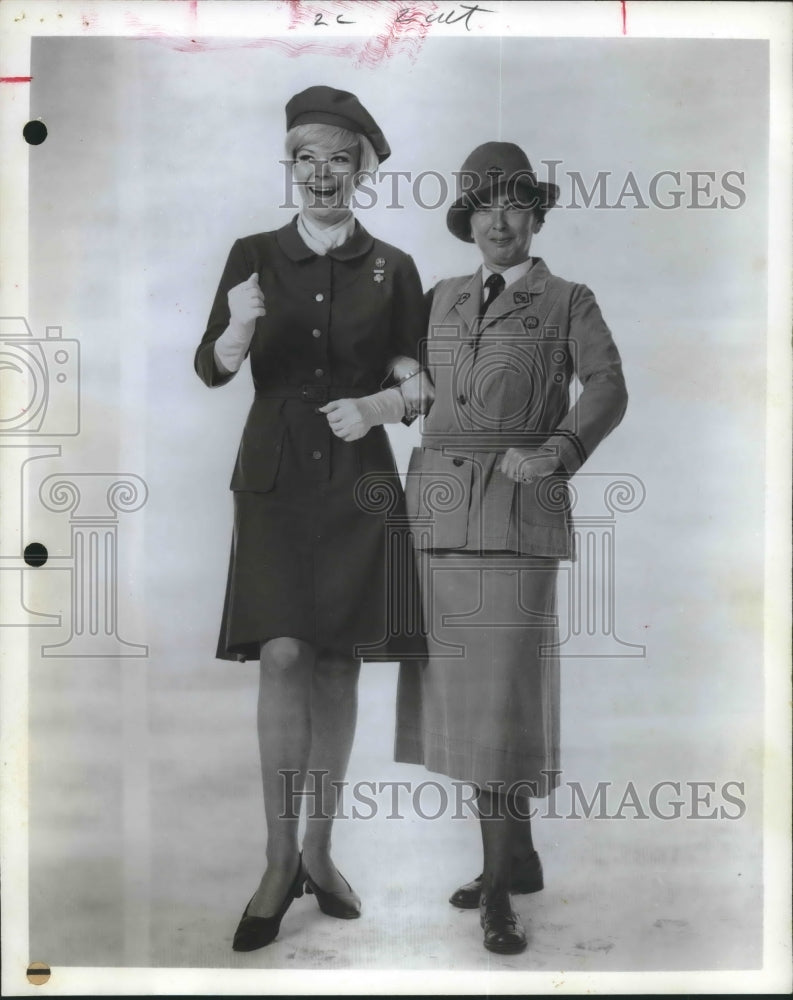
325,177
503,232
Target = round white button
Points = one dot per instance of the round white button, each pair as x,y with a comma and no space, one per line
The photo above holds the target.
316,454
319,297
316,333
319,372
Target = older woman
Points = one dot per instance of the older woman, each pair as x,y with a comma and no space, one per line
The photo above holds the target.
487,499
326,313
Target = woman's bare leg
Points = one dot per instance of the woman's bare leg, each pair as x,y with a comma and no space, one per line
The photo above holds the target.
284,724
334,711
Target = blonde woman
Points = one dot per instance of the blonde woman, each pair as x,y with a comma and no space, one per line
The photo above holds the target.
326,312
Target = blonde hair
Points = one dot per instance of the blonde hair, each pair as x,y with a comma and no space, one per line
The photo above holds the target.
333,137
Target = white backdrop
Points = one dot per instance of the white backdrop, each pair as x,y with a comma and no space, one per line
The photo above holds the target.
144,782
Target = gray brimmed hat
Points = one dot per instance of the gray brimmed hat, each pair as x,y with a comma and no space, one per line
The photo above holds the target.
328,106
493,168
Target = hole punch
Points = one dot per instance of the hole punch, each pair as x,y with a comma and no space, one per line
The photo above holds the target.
36,554
34,132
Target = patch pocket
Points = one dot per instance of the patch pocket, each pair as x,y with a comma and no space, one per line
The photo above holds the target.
438,493
545,501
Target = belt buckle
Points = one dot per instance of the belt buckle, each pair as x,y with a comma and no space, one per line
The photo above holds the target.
315,393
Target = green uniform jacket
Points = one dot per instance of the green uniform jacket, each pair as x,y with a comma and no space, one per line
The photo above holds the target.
505,382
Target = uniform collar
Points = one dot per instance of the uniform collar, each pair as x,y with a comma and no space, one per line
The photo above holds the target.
519,294
533,282
293,246
511,274
531,276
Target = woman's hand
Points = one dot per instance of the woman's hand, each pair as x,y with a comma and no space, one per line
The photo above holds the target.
417,389
246,303
418,393
524,465
347,418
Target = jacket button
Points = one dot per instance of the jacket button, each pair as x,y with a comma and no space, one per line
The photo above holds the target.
319,297
461,399
457,461
316,454
319,372
316,333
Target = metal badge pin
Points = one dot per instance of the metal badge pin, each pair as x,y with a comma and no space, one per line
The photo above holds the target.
521,298
380,262
464,297
531,322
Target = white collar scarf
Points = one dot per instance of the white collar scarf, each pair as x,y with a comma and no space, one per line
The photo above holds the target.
320,239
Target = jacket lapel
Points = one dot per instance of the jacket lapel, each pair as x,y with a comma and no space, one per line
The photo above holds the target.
466,305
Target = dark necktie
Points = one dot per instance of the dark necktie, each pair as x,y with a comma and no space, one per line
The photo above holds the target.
494,286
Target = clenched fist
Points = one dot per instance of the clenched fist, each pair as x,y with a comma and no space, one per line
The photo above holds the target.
246,302
348,418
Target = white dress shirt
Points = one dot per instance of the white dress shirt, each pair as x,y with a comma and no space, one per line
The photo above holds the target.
511,274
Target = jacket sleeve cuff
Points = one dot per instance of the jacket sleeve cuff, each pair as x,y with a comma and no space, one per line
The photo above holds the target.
385,407
568,447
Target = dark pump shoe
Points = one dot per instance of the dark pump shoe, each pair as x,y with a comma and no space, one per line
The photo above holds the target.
526,877
504,933
346,907
256,932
